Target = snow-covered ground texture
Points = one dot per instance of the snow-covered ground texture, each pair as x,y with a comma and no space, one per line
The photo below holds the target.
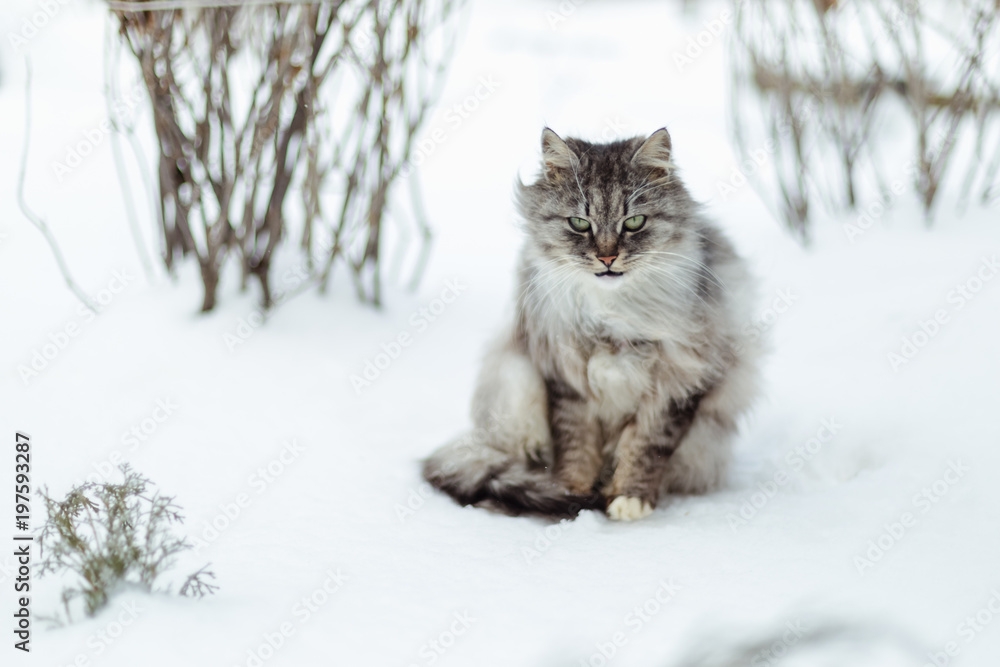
864,491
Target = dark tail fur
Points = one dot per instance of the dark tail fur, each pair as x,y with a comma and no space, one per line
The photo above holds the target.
478,474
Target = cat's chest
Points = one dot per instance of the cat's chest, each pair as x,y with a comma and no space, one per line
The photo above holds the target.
611,375
617,377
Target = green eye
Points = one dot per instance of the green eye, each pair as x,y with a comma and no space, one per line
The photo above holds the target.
635,223
579,224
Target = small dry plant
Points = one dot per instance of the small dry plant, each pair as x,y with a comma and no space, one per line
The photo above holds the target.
114,536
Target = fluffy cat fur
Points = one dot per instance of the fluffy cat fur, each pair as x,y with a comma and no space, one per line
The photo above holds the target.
624,373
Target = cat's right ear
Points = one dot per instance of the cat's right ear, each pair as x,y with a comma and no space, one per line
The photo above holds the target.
558,159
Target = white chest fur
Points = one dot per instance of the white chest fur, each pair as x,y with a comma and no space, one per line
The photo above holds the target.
617,379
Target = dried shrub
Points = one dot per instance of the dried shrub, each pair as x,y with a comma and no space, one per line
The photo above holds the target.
285,119
832,81
113,536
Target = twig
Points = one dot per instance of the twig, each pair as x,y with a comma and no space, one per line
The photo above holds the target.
116,151
426,234
33,217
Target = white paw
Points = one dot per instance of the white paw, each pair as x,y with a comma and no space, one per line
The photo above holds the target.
625,508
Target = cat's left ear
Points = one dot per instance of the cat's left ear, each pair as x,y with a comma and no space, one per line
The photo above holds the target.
655,152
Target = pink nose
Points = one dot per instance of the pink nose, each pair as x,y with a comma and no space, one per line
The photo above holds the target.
608,260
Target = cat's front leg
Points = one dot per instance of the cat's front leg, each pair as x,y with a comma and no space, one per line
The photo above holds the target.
576,439
643,454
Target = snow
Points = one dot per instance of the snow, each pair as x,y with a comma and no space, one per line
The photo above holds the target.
854,441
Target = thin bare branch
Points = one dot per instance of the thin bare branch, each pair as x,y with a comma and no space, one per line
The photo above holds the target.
33,217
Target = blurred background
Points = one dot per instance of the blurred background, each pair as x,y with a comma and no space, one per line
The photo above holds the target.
293,223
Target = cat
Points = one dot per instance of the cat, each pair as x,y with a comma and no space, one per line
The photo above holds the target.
624,373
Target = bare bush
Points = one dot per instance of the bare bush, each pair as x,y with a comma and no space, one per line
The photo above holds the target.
834,80
111,536
281,119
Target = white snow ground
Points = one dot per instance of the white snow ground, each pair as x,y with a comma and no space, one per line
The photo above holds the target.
488,589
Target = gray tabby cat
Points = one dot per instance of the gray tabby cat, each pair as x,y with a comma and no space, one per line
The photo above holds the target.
624,373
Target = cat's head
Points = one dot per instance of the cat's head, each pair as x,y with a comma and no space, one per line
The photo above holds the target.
608,213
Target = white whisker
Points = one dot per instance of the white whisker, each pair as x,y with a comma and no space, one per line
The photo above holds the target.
708,270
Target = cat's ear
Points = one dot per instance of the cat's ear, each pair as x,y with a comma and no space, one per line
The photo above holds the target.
558,159
655,153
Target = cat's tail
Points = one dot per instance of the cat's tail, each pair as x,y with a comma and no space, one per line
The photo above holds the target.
475,473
